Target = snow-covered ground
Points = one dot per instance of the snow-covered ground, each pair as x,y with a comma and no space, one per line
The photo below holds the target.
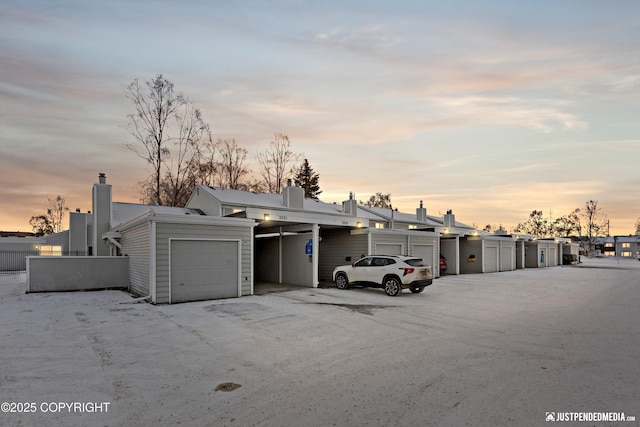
481,350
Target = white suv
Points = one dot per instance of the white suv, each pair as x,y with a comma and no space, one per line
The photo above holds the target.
390,272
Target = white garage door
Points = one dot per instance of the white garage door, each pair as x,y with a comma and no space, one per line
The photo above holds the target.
388,249
203,269
490,259
553,256
506,258
426,253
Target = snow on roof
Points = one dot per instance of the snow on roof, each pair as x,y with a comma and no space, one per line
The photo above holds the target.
122,212
268,200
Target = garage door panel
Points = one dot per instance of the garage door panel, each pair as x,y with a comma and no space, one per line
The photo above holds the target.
203,269
388,249
491,259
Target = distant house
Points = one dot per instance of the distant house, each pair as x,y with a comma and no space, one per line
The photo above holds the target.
618,246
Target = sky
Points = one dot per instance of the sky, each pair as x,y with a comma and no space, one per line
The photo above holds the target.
491,109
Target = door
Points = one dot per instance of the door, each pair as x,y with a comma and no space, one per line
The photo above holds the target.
388,249
203,269
490,259
426,252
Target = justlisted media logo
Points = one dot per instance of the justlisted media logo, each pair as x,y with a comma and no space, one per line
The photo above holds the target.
551,416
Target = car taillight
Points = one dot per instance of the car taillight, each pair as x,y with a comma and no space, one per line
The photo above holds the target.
407,271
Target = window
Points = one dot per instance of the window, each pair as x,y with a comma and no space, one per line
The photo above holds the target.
412,226
626,254
50,250
364,262
626,245
608,245
379,224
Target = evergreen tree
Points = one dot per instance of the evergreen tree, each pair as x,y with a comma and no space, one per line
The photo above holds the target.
308,180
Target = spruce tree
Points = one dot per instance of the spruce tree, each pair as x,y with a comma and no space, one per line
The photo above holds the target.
308,180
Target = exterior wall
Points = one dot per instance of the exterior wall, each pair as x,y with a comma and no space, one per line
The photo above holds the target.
59,239
77,233
531,255
420,243
490,256
470,246
166,230
14,250
450,249
378,239
520,261
101,218
339,247
507,256
627,252
52,274
207,204
297,266
136,242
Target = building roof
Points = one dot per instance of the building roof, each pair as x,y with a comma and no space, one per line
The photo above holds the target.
123,212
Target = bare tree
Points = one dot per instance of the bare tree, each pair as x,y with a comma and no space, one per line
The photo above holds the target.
169,131
638,227
53,220
378,200
232,164
593,224
56,211
536,225
182,168
277,162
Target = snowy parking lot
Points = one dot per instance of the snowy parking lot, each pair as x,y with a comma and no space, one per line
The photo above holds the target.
507,348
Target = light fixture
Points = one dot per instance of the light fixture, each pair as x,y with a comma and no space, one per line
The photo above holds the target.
359,224
266,217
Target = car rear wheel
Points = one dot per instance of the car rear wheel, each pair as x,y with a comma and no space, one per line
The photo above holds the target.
417,289
392,286
341,281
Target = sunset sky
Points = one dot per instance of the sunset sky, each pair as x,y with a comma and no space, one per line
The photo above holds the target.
489,108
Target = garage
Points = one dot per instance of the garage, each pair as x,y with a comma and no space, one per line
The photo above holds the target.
491,259
204,269
506,258
388,249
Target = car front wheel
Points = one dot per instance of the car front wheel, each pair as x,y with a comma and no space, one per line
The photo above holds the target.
341,281
392,286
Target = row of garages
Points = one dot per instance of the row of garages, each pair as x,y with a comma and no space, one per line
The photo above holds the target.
217,248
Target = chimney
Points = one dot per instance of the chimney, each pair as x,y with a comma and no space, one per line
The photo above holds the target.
449,219
101,215
293,197
350,206
421,213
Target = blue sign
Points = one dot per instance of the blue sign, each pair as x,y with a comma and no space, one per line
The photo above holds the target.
308,247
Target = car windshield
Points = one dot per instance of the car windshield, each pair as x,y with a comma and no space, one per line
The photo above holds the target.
415,262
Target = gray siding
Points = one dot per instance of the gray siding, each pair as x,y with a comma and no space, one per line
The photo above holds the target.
470,247
77,233
165,231
201,200
389,239
101,218
59,239
335,247
135,244
508,256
